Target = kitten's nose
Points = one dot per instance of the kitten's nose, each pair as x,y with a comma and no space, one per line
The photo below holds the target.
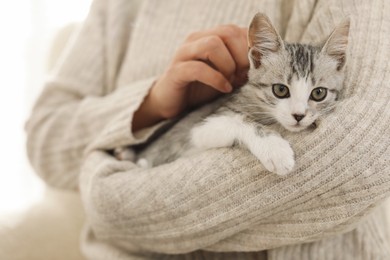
298,117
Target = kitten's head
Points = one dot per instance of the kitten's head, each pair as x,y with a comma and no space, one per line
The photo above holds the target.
296,83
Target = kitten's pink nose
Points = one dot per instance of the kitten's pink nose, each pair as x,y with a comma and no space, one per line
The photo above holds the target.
298,117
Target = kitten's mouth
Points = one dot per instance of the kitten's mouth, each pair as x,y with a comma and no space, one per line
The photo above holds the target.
296,128
299,127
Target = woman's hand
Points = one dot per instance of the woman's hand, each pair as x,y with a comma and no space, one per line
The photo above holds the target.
207,64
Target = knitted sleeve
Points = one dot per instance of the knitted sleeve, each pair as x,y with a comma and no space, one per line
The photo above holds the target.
75,109
223,200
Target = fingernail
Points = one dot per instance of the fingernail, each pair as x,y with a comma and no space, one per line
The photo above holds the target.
228,87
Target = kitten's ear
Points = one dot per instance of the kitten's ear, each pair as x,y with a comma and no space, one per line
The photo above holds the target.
336,45
262,39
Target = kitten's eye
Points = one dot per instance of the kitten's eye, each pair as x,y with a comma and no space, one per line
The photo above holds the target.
280,91
318,94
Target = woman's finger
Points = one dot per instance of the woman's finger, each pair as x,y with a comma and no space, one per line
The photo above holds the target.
209,49
190,71
234,37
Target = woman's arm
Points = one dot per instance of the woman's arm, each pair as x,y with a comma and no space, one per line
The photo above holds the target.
223,200
75,108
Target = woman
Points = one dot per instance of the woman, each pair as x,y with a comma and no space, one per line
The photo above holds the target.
130,70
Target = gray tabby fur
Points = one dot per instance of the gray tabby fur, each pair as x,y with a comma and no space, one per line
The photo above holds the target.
252,116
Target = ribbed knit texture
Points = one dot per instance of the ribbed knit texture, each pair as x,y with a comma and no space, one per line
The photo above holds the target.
220,200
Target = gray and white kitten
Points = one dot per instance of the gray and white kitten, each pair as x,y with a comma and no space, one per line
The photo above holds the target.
289,87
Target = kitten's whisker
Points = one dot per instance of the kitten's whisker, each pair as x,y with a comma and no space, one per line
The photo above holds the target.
262,114
327,110
251,105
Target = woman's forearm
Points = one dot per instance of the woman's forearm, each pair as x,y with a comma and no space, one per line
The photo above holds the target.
147,114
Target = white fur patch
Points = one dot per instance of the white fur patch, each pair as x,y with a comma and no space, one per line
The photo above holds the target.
275,154
273,151
215,132
143,163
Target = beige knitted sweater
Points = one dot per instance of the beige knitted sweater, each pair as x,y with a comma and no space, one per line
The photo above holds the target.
221,200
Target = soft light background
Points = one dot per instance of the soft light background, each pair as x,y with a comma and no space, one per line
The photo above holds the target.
27,28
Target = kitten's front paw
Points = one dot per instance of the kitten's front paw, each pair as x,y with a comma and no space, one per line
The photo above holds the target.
143,163
275,154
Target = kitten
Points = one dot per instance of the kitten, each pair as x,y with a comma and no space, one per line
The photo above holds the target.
289,87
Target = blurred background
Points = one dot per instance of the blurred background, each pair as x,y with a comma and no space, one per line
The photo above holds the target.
27,29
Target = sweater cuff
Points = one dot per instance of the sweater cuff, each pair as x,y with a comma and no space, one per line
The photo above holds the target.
123,103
